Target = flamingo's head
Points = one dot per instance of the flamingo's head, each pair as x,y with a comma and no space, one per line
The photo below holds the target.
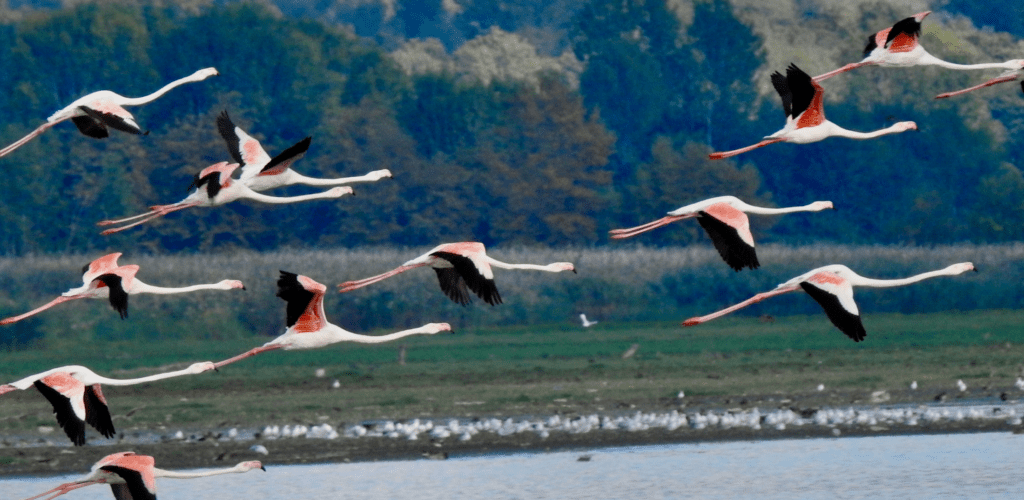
248,466
962,267
204,366
562,266
822,205
921,15
231,284
340,191
433,328
205,73
904,126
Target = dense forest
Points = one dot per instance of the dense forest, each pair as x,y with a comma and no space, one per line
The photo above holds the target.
525,123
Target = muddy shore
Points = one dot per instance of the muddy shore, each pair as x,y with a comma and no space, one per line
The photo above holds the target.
213,449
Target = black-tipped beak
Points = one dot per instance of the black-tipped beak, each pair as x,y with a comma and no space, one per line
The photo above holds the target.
975,269
264,469
574,271
244,288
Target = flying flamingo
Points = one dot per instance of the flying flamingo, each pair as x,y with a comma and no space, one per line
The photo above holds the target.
95,112
74,392
215,187
307,323
805,116
832,286
260,172
460,266
104,279
898,46
133,477
725,221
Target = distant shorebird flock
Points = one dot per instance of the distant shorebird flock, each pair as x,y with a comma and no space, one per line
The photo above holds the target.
462,268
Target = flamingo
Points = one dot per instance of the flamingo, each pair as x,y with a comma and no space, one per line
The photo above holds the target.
725,220
215,187
260,172
74,391
458,266
898,46
97,111
805,116
133,477
307,323
832,287
104,279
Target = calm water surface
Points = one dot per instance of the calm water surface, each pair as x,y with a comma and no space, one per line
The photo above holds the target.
942,466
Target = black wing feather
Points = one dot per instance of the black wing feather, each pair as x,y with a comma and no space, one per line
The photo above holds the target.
802,87
90,127
909,26
782,87
844,320
66,418
97,414
736,252
211,181
227,130
453,285
297,297
118,297
133,480
483,287
121,492
871,46
289,155
113,121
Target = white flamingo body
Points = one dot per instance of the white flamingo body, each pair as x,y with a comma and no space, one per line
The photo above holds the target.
460,267
898,46
307,323
95,112
725,220
802,100
133,477
214,187
104,279
260,172
832,287
74,391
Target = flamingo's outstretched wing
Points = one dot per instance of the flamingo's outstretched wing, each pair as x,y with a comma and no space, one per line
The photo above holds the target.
134,483
66,418
97,414
842,317
118,121
469,276
736,252
295,295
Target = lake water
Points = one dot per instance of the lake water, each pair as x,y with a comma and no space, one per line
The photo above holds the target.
923,466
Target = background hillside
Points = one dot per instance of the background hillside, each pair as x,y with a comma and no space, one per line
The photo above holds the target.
512,123
526,122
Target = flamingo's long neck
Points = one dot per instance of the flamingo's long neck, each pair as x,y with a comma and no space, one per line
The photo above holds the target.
551,268
877,283
929,59
785,210
135,101
190,475
345,336
838,131
140,287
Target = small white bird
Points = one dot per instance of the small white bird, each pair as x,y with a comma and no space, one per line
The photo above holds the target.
961,385
913,385
586,323
259,448
821,387
1019,384
680,395
321,373
336,384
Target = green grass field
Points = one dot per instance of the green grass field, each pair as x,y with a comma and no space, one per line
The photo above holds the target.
535,370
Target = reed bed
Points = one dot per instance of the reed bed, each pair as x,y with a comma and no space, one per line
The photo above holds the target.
624,283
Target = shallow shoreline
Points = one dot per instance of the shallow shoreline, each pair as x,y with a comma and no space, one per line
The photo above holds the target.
201,451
